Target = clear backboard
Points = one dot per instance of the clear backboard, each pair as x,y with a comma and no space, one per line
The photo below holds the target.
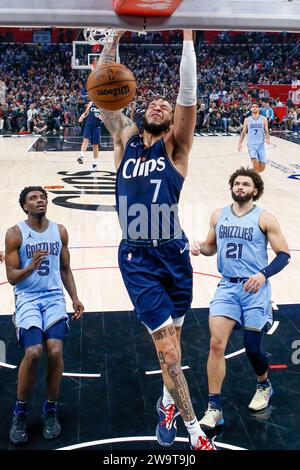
84,55
255,15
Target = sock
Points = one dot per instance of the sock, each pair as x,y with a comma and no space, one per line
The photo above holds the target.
81,154
215,398
194,430
49,405
167,398
266,383
20,407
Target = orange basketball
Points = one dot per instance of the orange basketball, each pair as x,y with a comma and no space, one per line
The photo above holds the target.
111,86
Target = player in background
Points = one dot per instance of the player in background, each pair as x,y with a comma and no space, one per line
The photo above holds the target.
258,132
239,234
91,132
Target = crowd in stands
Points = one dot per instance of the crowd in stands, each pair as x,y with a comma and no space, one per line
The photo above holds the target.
44,94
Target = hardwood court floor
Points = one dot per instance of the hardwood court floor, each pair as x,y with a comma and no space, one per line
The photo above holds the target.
85,206
117,400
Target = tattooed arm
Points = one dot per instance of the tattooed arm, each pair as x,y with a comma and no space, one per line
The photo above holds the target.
120,126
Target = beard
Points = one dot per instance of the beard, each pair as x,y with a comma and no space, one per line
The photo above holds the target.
155,129
240,198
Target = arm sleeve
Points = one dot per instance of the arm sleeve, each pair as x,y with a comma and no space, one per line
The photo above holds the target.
187,95
278,263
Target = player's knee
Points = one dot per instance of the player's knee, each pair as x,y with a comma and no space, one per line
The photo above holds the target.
217,345
33,354
54,354
171,356
252,341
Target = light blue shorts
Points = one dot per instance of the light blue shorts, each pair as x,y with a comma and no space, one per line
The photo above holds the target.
40,309
258,152
250,311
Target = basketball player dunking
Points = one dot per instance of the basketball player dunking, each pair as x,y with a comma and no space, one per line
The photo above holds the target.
258,131
153,255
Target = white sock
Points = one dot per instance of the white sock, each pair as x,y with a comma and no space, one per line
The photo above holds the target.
194,430
81,154
167,398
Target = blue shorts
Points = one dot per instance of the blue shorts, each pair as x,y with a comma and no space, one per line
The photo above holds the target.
159,280
35,336
258,152
40,309
92,133
250,311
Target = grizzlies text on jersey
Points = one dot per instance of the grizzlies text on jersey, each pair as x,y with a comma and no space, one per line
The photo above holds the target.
242,246
47,277
242,252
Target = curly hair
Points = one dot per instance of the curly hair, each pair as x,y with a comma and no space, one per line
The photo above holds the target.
256,178
27,190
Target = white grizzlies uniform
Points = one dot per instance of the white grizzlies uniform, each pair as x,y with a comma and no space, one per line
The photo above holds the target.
39,297
242,252
256,139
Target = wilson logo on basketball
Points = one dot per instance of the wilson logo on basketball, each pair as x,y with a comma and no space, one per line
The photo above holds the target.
119,91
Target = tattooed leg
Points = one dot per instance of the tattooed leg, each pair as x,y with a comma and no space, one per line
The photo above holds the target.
168,352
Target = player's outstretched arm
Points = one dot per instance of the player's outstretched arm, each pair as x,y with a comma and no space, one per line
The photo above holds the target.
120,126
86,112
185,110
267,133
243,133
270,226
67,275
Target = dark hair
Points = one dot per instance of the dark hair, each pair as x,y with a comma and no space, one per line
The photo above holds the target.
27,190
155,98
256,178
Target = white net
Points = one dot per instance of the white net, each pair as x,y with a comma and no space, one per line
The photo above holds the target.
99,36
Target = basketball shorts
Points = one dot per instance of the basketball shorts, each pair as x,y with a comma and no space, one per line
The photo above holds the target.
39,309
34,336
258,152
159,280
92,133
250,311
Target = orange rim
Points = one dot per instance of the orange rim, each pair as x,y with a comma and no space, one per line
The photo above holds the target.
54,187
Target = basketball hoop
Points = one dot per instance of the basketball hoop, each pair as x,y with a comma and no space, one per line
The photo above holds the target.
99,36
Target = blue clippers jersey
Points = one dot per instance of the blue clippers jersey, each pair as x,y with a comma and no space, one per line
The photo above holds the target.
256,131
94,116
147,192
47,276
242,246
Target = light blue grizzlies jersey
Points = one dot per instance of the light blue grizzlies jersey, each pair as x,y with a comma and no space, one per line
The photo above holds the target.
242,246
47,277
256,131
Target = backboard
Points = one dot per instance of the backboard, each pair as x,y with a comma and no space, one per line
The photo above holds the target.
255,15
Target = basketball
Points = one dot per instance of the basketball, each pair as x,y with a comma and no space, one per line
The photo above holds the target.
111,86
